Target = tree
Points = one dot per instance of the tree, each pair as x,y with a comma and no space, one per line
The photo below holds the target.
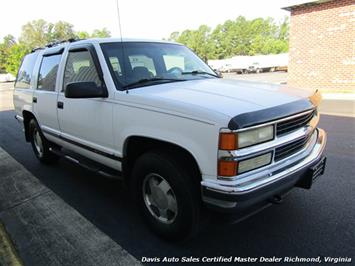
36,33
236,37
62,31
174,36
5,46
284,29
82,35
14,57
197,40
103,33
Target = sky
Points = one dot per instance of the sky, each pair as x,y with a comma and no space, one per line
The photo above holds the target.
150,19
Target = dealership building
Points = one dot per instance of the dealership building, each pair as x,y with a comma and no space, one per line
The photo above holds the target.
322,45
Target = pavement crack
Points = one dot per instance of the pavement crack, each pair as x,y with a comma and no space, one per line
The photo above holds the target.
46,191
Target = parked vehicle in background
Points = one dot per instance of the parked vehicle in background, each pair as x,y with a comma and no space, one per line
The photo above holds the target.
238,65
255,68
251,64
155,115
230,68
268,63
6,77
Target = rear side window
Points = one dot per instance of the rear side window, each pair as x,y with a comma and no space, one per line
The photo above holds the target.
80,67
48,72
24,75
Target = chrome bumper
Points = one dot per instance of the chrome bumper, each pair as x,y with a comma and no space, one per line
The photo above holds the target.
271,174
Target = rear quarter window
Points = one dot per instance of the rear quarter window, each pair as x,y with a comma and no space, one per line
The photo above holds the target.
24,74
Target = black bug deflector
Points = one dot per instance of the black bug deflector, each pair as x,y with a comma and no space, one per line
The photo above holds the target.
274,113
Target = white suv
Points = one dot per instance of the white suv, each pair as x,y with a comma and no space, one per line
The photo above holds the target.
154,114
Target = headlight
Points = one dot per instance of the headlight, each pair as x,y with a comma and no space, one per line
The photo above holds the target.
233,141
255,136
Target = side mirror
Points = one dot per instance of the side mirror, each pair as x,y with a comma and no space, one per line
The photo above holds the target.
85,90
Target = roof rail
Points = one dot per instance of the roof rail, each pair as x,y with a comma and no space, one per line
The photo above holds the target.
36,49
51,44
55,43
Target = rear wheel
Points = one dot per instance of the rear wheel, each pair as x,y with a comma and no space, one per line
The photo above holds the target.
40,144
167,196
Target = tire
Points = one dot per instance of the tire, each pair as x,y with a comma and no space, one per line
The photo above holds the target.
40,144
173,210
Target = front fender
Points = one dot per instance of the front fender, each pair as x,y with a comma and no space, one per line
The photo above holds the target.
198,138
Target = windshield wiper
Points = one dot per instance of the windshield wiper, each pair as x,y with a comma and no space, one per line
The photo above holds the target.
147,81
197,72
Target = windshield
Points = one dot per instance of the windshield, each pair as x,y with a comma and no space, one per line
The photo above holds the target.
136,64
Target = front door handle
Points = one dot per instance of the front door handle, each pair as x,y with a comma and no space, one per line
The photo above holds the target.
60,105
34,99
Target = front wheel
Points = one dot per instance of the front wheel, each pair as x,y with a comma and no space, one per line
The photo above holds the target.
167,196
40,144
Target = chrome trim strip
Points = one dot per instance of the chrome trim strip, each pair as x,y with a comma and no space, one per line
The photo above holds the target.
278,141
83,146
268,123
267,176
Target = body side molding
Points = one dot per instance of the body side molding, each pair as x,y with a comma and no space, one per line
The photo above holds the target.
108,155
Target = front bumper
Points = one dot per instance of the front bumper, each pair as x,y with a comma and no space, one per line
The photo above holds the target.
271,182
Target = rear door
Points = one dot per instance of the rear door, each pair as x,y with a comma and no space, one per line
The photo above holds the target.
46,93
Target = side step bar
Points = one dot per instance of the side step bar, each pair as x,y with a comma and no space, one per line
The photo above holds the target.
88,164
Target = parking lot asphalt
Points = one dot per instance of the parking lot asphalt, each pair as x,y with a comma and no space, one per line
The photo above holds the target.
319,222
279,77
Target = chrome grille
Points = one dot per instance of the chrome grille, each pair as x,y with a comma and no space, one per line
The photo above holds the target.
291,148
294,123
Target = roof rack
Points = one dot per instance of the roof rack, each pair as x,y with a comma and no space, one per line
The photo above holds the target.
36,49
55,43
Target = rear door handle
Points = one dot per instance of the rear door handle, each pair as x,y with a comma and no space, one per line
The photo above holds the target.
60,105
34,99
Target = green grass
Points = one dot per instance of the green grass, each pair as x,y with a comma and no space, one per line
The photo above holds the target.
8,255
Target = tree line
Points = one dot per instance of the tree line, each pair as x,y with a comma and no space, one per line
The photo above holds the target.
236,37
38,33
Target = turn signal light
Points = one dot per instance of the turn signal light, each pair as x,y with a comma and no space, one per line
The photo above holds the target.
227,168
228,141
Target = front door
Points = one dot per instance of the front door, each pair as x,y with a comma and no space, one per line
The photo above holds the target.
86,124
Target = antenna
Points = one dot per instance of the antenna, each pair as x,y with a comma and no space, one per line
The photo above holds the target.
123,53
119,19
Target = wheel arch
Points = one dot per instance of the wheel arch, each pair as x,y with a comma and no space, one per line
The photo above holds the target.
27,117
136,145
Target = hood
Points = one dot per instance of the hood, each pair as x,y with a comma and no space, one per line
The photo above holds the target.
218,96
